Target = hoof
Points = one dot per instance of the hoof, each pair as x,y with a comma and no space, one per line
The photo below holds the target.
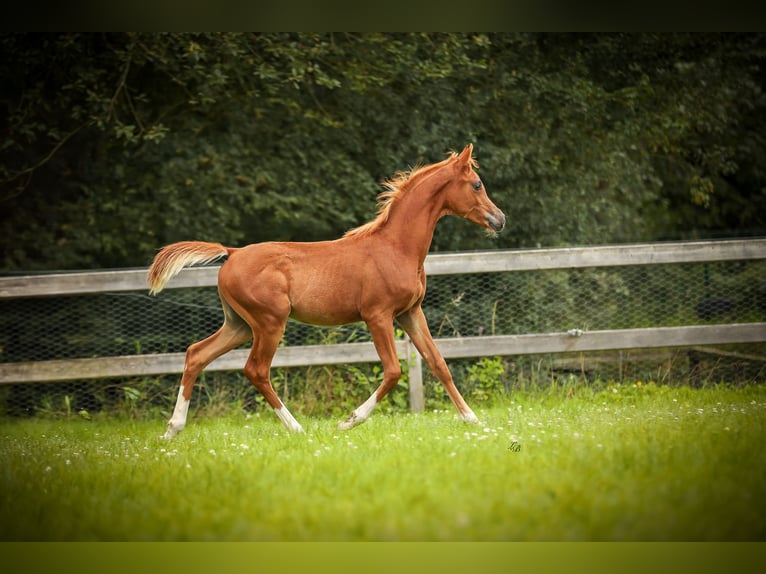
169,434
470,418
350,422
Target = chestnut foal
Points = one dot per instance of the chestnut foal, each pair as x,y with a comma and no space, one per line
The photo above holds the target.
373,273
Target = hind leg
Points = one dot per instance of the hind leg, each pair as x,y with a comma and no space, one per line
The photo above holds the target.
233,333
265,306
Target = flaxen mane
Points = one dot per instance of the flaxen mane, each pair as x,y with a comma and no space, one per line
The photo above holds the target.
395,188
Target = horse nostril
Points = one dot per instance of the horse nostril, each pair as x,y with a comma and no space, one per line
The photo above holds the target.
497,221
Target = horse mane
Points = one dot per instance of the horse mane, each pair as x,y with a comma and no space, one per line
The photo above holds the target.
393,189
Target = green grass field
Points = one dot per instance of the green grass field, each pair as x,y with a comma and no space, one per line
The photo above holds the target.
626,462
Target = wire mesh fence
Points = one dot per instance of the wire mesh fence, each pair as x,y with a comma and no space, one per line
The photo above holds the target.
466,305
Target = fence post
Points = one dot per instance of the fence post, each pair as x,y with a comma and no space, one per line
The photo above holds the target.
415,363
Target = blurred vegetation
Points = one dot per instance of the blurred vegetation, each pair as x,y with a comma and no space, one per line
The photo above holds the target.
115,144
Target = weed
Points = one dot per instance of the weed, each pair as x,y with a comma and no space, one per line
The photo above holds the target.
485,378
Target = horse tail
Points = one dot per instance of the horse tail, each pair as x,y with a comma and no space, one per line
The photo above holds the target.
172,258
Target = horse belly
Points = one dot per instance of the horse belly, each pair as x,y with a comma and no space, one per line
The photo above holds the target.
329,318
326,301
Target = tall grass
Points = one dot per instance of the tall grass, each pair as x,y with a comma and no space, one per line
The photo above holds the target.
627,462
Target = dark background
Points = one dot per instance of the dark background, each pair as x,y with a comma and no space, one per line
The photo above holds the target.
114,144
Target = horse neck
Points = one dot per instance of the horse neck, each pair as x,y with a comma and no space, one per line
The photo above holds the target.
413,218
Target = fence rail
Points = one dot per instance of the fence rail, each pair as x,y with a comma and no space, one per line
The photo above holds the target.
436,264
451,348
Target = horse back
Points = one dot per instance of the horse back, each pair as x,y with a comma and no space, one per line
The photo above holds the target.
322,283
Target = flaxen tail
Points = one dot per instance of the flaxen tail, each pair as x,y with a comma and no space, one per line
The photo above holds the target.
172,258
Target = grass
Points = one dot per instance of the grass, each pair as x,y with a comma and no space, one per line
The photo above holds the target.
626,462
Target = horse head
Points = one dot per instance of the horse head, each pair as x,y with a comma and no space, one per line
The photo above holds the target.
466,197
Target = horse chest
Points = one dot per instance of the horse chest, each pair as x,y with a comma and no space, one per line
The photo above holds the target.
405,291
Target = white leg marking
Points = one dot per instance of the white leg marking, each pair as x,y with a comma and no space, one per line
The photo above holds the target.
469,417
177,422
288,419
361,414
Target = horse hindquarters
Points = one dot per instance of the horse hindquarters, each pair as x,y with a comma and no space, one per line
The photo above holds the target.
259,298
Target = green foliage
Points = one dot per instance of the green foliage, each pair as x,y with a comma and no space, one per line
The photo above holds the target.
118,143
485,378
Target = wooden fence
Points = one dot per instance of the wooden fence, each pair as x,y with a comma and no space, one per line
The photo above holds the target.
436,264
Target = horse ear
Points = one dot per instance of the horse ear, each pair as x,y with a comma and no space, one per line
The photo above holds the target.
464,159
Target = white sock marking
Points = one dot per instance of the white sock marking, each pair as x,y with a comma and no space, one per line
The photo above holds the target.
361,414
469,417
177,422
288,419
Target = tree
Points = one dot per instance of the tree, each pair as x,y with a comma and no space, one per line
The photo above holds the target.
115,144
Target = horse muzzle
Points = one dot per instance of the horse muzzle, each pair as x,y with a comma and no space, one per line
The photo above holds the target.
496,221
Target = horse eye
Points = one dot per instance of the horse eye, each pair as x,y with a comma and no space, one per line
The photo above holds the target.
477,185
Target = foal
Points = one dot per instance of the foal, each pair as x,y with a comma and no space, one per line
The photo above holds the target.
373,273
